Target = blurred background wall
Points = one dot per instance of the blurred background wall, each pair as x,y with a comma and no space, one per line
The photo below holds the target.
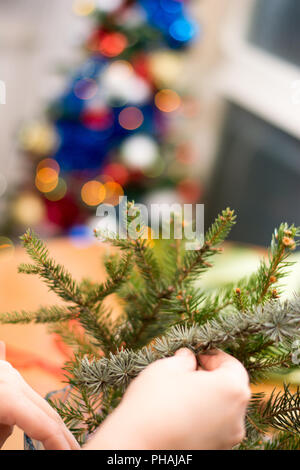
35,38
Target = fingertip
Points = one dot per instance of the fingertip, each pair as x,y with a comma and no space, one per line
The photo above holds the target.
184,352
187,358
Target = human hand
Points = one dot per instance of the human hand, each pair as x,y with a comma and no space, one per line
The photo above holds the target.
23,407
172,405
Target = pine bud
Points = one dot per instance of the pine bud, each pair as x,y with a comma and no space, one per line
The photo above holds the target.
287,241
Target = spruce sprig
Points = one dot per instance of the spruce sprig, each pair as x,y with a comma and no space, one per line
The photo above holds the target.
164,310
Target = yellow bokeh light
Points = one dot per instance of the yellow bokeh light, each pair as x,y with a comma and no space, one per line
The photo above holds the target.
148,234
167,100
59,192
113,192
166,67
48,163
83,7
46,179
28,209
6,246
93,193
39,138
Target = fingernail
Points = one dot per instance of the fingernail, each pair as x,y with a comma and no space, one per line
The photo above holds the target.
183,352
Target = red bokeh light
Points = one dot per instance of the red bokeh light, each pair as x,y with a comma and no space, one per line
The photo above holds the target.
112,44
97,119
189,190
117,172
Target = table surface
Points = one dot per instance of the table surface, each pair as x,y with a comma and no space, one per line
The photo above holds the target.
34,352
37,354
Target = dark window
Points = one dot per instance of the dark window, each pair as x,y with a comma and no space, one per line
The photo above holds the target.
275,27
258,174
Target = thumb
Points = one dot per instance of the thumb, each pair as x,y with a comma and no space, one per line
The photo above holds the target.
185,359
2,351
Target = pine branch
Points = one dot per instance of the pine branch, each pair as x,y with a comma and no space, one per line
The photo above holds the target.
75,337
163,311
282,410
282,441
195,262
277,325
42,315
260,366
117,271
284,241
55,275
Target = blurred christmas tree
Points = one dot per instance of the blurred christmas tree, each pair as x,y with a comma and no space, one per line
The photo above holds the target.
108,134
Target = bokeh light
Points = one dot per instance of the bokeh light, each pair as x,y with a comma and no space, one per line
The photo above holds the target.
93,193
123,85
109,5
131,118
149,235
48,163
46,179
113,44
182,30
117,172
167,100
58,192
83,7
165,67
28,209
97,119
113,192
189,190
6,247
85,89
81,236
171,6
39,138
140,151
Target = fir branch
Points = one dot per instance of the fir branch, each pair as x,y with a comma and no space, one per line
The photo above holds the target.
146,263
284,241
282,410
117,271
245,319
260,366
42,315
195,262
71,335
282,441
56,277
231,329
